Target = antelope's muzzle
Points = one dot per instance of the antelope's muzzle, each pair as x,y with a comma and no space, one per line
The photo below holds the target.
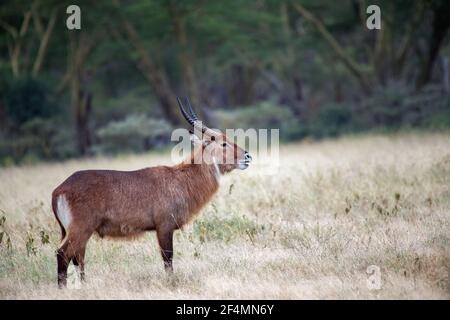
243,164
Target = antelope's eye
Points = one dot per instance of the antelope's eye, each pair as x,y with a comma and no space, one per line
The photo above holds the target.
224,144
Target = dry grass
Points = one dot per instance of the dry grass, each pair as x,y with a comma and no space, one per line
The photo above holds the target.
311,231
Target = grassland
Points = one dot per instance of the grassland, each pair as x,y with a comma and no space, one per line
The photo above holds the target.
309,231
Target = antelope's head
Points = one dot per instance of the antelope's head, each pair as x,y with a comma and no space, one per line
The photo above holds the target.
216,147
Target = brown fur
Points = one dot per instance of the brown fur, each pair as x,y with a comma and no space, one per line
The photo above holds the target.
124,204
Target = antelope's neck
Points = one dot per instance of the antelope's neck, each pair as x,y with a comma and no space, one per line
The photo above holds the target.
214,168
201,183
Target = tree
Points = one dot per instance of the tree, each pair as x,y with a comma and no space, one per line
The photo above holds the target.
21,42
386,55
440,12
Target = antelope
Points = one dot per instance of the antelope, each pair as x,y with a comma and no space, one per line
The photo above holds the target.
124,204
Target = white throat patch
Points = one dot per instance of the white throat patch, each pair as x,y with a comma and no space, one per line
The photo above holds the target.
217,170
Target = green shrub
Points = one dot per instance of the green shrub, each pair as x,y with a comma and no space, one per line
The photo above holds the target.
36,139
27,98
30,121
331,120
265,115
136,132
440,120
397,107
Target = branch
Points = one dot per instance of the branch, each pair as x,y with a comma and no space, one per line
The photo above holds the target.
409,37
15,56
37,20
348,61
9,28
25,24
78,51
44,43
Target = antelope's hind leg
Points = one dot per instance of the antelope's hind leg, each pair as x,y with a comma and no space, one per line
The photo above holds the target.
73,248
78,261
62,263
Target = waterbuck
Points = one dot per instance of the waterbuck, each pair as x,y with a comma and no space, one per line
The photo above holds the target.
122,204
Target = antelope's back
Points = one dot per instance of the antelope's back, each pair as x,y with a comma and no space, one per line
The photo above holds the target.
129,198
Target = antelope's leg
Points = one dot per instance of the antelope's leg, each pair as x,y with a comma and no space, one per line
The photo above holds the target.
72,248
63,258
62,263
165,240
78,261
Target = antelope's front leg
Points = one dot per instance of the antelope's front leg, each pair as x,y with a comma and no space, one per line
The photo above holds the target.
165,240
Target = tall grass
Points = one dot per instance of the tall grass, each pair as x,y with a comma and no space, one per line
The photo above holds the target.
309,231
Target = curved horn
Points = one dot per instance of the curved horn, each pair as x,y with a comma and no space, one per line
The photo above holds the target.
185,114
194,116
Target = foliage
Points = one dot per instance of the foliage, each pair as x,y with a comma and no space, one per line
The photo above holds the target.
265,115
136,132
332,119
309,68
27,98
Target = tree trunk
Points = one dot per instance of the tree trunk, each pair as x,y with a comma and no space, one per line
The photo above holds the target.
76,104
381,57
80,94
289,65
16,48
338,95
185,58
81,104
407,42
298,88
44,44
440,26
156,77
242,84
2,117
82,117
445,74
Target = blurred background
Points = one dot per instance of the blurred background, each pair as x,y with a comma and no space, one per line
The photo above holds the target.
310,68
